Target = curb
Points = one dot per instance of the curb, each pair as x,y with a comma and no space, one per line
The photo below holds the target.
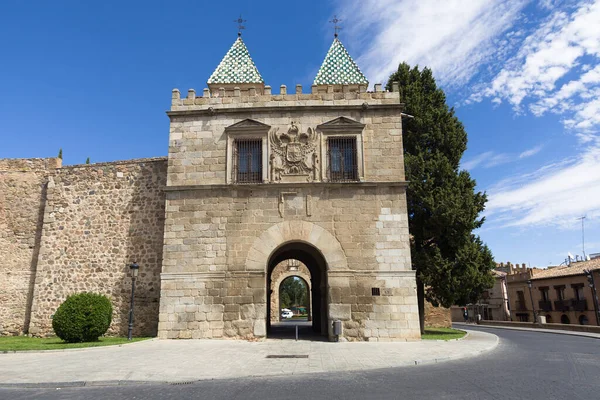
552,331
77,348
107,383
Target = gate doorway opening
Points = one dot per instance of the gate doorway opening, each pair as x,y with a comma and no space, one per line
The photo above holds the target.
301,267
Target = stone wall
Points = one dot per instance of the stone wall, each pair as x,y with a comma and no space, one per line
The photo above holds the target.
437,317
22,191
217,244
98,219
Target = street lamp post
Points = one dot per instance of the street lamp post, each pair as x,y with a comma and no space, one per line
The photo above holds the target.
590,277
532,304
134,269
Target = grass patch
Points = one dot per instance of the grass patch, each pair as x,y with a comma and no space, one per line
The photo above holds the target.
442,334
16,343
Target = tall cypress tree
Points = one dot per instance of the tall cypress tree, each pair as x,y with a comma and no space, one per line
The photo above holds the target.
452,264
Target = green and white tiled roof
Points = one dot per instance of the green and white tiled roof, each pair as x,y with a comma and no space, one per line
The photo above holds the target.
339,68
236,67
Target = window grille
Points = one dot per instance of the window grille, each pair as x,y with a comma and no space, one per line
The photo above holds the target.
247,160
342,159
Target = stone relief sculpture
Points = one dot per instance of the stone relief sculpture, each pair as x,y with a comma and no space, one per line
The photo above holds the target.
294,153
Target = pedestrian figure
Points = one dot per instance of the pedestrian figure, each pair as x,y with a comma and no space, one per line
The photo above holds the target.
466,314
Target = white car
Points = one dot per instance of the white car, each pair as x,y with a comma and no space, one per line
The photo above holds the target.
287,314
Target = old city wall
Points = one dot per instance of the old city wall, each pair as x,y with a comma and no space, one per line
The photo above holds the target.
217,243
98,219
22,198
218,236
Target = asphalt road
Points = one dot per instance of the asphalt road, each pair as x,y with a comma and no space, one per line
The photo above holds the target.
525,365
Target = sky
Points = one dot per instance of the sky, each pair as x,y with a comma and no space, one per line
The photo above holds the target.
95,78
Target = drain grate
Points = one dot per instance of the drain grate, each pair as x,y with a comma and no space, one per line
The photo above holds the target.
287,356
181,383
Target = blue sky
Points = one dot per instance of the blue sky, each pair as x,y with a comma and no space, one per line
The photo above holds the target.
95,78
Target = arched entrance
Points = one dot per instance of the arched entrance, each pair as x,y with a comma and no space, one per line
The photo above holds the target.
281,273
314,261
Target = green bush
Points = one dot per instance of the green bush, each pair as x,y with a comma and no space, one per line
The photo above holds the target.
83,317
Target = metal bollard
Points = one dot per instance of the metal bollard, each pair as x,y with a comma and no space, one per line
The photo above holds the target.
296,332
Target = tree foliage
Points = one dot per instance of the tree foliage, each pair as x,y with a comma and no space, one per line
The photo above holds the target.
293,292
452,264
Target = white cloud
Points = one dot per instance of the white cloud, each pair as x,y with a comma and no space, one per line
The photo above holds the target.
555,51
491,159
452,37
556,194
531,152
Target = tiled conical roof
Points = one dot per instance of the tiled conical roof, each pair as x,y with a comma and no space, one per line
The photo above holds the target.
339,68
236,67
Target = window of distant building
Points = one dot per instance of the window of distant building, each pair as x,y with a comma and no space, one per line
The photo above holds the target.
560,292
544,293
578,291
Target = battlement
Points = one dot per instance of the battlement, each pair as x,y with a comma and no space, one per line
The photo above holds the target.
29,164
244,96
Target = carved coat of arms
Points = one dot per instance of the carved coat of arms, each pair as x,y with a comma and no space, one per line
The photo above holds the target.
293,153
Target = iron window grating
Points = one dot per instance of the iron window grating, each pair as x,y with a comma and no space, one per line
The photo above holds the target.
375,291
247,161
342,159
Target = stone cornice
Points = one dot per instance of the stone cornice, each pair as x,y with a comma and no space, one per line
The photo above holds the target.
266,109
237,186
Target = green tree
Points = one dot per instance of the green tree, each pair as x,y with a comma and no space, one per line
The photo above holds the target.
292,292
60,153
452,264
87,161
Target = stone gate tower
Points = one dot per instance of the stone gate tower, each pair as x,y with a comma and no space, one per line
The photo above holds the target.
256,178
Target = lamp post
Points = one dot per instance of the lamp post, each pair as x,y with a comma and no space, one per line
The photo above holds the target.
133,269
532,304
590,277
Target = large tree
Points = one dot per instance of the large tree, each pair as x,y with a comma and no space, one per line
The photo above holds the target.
293,292
452,264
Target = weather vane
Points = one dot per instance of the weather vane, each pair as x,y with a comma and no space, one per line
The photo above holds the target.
239,21
336,27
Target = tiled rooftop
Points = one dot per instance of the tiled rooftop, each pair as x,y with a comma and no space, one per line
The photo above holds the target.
339,68
236,67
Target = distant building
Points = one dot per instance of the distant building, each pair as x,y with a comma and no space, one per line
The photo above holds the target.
560,294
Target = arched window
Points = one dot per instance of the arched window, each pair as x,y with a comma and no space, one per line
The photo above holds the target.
583,320
564,319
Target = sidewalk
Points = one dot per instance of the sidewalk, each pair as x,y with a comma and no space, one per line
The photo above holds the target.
191,360
464,326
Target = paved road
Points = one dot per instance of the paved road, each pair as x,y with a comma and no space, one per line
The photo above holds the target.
526,365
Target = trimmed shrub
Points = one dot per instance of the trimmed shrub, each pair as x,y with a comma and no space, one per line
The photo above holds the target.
83,317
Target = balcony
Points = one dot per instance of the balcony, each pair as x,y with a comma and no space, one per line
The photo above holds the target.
562,305
545,305
579,305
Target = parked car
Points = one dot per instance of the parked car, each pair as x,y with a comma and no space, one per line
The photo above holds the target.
286,314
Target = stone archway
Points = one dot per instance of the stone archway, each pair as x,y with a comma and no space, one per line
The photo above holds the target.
280,273
316,247
295,231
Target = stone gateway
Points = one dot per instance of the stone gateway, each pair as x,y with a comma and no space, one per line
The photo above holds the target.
252,180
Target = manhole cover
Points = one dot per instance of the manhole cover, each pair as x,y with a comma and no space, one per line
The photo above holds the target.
287,356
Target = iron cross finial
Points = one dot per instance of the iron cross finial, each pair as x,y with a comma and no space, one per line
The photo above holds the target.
336,27
239,21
